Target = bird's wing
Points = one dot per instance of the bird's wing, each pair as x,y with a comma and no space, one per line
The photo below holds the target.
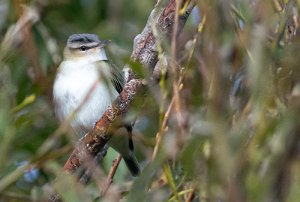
117,78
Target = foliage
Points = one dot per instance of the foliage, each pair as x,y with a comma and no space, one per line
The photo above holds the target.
223,124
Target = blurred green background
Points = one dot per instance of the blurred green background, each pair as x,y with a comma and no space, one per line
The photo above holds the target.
232,135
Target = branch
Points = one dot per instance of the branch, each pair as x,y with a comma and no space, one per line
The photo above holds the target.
95,140
145,45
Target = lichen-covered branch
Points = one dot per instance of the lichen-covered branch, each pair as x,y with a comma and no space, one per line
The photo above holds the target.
145,49
95,140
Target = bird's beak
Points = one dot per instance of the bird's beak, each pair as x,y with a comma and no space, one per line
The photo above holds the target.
104,43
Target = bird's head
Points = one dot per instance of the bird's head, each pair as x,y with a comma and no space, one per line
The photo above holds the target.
85,47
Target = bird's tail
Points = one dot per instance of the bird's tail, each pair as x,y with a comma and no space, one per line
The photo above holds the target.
132,164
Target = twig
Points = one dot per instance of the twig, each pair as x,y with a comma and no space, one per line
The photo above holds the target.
30,50
176,73
112,172
190,196
159,135
13,37
87,173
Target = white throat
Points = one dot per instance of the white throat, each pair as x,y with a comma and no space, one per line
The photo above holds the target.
95,56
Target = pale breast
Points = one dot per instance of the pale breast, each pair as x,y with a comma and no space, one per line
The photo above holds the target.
85,89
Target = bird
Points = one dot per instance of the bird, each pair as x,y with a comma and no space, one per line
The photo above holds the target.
86,83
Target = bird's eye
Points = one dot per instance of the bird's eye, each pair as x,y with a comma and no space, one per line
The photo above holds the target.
83,48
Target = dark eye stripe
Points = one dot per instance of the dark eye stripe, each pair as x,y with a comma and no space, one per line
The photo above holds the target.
86,47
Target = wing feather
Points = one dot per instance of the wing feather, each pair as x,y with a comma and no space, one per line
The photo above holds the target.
117,78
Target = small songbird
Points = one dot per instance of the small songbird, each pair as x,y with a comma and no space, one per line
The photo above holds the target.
85,85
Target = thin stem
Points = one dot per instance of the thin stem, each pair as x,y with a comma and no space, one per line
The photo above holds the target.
112,173
160,134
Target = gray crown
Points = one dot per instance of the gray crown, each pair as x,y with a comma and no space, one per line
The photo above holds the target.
83,38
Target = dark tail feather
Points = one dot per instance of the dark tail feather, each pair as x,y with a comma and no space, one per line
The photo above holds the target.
132,165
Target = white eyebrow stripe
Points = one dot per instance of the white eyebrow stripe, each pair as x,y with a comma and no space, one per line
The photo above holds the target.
78,45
